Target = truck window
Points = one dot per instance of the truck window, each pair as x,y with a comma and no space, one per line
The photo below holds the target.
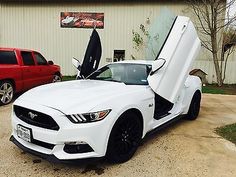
40,59
8,57
27,58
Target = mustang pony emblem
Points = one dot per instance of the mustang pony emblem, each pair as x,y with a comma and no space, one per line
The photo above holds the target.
32,115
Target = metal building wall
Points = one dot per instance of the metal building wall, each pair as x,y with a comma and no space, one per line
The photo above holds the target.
37,26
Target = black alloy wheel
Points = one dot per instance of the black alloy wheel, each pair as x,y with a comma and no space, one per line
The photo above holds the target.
124,139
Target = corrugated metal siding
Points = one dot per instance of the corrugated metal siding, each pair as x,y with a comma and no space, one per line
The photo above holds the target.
37,26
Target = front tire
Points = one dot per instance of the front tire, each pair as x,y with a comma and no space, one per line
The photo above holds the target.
124,138
194,106
6,92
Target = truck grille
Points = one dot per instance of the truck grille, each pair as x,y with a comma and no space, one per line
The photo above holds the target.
35,118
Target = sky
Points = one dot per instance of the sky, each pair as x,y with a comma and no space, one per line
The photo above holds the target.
232,9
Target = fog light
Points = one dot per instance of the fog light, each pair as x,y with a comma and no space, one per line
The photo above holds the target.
77,147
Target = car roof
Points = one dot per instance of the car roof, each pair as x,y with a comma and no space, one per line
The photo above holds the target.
145,62
12,49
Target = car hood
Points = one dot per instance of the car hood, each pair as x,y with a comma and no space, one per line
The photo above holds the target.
82,94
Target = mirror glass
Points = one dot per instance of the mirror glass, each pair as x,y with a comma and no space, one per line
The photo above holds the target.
158,64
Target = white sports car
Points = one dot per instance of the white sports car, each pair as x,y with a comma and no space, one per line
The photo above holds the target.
111,111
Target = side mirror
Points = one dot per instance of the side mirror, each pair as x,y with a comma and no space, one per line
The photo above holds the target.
50,63
157,64
76,63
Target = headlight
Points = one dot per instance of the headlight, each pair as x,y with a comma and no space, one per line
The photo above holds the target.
88,117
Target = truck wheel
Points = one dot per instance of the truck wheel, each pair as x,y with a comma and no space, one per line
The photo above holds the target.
6,92
194,106
56,78
124,138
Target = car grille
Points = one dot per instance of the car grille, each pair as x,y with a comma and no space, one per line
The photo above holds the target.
35,118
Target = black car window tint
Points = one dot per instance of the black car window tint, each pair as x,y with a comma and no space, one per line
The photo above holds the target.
27,58
8,57
40,59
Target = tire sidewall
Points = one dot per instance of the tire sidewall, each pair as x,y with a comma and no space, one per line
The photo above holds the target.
194,108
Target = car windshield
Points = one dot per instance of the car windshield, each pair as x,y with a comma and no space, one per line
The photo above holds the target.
130,74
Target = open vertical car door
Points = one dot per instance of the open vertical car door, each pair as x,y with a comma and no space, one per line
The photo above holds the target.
92,55
178,49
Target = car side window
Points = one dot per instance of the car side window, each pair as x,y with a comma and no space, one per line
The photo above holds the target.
40,59
27,58
8,57
106,74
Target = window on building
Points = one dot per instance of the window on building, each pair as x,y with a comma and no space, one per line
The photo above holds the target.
119,55
40,59
7,57
27,58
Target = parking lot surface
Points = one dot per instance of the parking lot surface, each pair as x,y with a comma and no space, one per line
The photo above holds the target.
187,148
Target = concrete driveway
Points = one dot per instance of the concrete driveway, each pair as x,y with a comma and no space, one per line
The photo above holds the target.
187,148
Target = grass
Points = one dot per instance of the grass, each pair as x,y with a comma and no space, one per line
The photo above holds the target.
213,90
228,132
225,89
68,78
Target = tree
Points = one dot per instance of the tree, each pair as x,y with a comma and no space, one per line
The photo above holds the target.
215,27
140,38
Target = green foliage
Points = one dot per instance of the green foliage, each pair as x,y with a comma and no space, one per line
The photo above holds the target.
137,39
228,132
140,38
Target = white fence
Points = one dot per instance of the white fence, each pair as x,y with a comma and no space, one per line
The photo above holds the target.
208,67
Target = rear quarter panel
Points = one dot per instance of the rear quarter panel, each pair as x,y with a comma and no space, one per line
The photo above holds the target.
12,73
192,84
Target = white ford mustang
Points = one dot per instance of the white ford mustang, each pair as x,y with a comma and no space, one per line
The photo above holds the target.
109,112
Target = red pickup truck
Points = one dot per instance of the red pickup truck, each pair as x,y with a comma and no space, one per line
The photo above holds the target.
22,69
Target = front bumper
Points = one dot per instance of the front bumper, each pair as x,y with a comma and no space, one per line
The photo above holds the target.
51,158
51,143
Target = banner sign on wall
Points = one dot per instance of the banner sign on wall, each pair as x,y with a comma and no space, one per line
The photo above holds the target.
82,20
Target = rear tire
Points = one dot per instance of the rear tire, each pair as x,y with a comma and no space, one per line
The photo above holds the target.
56,78
124,139
194,106
6,92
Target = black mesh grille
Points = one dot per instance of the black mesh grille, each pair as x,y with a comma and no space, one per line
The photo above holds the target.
35,118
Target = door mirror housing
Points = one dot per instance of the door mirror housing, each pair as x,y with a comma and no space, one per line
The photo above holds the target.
76,63
50,62
157,64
